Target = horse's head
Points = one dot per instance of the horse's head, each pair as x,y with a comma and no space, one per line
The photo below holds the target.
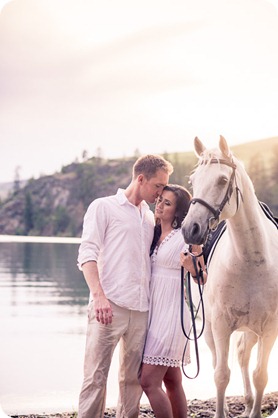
214,183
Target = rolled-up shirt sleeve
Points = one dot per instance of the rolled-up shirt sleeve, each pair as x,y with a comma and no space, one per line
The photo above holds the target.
93,233
117,235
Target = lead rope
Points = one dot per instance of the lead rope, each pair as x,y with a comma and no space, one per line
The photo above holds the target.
199,276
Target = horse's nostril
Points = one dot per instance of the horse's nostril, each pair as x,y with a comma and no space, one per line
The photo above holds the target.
195,229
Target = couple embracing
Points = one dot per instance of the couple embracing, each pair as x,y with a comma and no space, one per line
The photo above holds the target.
131,262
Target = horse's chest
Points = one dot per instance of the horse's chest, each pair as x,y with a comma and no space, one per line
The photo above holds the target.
240,307
240,293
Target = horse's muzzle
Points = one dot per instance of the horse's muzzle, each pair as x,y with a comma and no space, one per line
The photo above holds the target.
194,233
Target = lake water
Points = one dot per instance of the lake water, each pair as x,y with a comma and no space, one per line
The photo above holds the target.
43,301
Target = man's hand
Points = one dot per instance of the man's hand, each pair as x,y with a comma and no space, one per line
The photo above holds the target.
103,310
102,307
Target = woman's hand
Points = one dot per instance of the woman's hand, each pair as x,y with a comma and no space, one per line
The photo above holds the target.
186,261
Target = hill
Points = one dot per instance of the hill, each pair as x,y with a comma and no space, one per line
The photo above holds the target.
263,148
55,205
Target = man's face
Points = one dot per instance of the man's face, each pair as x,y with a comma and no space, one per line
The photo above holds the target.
153,187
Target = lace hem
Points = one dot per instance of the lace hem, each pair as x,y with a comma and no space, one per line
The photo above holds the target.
164,361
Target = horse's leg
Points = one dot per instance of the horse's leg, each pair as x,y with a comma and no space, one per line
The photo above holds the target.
210,342
222,371
245,344
260,375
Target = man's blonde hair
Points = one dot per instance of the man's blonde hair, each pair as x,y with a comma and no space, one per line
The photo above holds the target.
150,164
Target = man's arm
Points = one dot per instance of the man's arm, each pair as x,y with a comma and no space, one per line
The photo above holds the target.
102,306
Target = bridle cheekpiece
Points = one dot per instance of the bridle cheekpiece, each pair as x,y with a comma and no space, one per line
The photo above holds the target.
217,212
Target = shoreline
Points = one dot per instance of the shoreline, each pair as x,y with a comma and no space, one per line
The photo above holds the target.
196,408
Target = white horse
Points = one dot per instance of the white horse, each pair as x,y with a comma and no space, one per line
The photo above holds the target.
242,288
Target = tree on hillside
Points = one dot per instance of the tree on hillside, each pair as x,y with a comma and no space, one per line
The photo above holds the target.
274,164
137,153
182,169
259,177
99,153
28,213
181,172
61,220
16,185
85,155
273,186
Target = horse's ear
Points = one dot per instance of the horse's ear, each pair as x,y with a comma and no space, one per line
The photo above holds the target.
199,147
224,147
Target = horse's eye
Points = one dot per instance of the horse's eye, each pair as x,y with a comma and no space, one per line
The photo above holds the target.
222,181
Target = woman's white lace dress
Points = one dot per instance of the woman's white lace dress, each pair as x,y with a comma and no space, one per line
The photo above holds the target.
165,340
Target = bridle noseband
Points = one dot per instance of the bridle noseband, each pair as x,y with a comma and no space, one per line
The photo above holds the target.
216,212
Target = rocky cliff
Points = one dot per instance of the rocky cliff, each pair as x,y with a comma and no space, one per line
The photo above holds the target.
55,205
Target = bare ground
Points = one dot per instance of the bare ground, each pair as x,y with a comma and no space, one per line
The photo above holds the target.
196,408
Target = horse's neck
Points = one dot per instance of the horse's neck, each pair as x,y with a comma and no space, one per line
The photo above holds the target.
247,228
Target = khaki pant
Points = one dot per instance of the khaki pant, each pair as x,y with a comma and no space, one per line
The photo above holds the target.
128,327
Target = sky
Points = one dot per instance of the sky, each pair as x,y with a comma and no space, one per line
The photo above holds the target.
115,77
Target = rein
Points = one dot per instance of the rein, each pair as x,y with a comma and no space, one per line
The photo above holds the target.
217,212
212,224
199,277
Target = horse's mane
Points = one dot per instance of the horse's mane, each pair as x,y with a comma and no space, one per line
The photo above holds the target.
208,154
206,157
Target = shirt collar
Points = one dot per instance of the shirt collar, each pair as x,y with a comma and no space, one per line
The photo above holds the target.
122,199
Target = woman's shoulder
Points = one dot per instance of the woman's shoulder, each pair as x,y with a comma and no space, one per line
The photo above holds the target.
178,237
175,243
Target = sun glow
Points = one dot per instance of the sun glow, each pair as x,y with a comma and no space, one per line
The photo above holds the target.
133,75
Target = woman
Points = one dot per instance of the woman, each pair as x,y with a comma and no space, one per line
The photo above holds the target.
163,353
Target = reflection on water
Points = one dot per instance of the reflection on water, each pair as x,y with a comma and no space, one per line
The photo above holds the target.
38,266
43,301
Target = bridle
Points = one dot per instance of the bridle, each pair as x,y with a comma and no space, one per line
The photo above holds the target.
217,212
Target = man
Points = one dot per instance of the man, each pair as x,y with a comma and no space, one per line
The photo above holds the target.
114,257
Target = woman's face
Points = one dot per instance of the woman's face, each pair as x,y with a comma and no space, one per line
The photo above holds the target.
165,208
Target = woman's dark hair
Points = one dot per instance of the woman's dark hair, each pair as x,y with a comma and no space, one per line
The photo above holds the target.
183,198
